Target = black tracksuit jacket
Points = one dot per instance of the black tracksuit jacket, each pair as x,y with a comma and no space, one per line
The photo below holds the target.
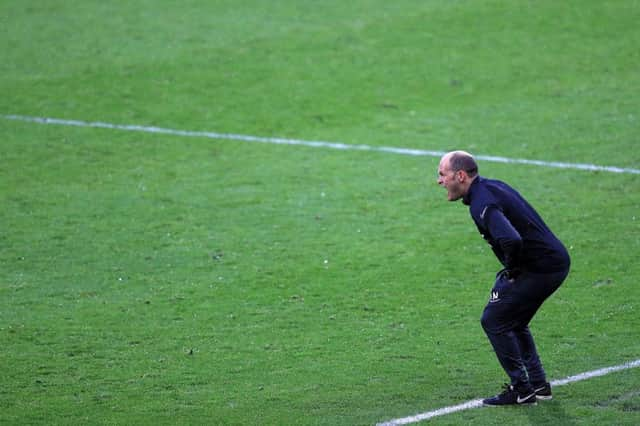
517,234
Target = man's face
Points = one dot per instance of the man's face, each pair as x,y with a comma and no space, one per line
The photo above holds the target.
449,180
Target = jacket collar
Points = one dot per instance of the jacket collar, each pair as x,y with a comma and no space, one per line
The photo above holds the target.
466,199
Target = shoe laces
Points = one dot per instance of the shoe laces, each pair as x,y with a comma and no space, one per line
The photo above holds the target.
507,389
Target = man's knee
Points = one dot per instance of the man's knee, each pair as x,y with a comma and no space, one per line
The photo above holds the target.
489,322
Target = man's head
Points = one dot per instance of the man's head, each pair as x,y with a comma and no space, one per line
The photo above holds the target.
456,172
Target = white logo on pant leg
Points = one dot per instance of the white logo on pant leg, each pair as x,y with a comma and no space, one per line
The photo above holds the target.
495,297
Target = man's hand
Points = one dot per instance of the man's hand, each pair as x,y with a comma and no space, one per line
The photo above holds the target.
512,273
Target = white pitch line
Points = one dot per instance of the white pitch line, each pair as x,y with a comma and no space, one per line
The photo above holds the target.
314,144
475,403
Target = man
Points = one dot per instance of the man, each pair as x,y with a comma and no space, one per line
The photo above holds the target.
535,264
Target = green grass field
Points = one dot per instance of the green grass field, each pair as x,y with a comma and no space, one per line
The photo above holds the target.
160,279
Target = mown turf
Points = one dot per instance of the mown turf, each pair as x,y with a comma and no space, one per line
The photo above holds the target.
156,279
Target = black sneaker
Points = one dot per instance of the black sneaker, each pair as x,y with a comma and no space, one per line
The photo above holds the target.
512,397
543,392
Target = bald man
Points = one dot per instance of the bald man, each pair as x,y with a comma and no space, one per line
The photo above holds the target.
535,263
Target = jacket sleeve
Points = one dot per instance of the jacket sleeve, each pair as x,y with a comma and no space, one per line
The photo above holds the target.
504,234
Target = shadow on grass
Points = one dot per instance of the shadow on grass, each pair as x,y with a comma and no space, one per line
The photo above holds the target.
550,413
